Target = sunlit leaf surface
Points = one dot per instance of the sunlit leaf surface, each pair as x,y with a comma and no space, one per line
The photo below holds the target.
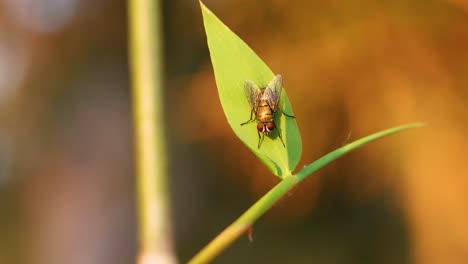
234,62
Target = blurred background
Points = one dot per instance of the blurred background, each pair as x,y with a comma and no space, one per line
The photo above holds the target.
350,69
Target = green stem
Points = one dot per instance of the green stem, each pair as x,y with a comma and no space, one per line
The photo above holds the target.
146,74
246,220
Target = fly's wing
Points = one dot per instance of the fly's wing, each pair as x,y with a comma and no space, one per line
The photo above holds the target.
273,91
252,92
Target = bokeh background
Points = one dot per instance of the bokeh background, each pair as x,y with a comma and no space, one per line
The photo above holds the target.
350,68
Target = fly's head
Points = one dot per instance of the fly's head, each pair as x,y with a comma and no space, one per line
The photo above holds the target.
266,127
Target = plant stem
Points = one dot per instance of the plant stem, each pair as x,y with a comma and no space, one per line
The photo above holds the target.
145,56
246,220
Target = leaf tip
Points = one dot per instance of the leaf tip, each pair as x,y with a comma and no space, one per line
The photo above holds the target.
420,124
416,124
203,7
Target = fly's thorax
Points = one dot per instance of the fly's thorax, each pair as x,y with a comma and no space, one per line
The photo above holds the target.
264,113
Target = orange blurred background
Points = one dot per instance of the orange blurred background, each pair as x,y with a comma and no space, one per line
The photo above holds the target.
350,69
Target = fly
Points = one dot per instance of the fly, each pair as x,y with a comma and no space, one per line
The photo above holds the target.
264,104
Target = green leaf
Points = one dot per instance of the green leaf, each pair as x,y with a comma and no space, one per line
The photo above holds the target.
234,62
249,217
316,165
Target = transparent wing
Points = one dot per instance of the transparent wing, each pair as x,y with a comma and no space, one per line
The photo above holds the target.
273,91
252,92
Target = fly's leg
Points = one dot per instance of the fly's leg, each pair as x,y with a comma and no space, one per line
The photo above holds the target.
280,137
250,120
285,113
260,139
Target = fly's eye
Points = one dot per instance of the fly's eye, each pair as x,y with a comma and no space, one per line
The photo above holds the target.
260,127
271,126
